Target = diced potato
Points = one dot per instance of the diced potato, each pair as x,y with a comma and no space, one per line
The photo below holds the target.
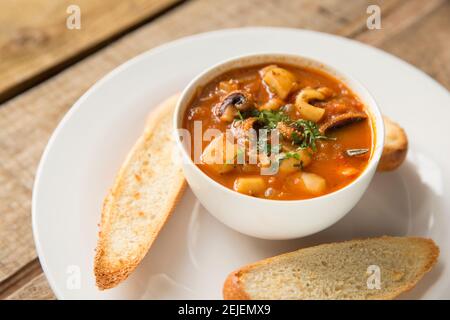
272,104
314,183
250,185
309,112
306,182
291,165
280,81
305,156
220,154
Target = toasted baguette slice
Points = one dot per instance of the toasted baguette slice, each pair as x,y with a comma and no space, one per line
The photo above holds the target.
336,271
144,194
395,146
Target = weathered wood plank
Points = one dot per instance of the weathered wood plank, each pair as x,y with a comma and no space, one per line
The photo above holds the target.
27,121
34,37
426,44
21,278
397,20
36,289
16,240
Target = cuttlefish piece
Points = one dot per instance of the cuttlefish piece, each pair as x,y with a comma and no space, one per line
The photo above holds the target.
342,120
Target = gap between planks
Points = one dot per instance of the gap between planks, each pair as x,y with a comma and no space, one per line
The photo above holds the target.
31,119
45,74
22,276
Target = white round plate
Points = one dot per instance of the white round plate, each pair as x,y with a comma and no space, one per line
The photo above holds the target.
194,252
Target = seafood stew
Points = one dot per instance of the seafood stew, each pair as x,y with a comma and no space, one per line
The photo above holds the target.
318,135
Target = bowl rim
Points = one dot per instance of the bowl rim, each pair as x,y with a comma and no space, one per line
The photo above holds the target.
369,102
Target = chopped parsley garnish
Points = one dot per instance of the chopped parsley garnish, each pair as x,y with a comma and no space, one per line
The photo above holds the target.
249,113
296,138
240,116
310,134
290,154
270,119
305,135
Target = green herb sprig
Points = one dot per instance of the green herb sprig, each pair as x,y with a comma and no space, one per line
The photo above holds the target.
291,154
307,132
310,134
270,119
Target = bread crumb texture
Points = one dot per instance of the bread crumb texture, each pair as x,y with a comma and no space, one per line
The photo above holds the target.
144,194
340,270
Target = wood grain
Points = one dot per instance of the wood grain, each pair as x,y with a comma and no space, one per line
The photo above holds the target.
16,240
21,278
398,20
34,39
27,121
36,289
426,44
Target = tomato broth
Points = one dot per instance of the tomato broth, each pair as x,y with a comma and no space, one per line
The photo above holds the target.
325,133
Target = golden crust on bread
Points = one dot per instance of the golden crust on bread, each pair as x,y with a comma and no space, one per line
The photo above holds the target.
327,271
145,192
395,146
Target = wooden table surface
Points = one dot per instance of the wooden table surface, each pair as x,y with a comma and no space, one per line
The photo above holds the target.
45,68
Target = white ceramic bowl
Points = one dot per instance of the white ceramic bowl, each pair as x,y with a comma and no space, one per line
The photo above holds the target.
276,219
